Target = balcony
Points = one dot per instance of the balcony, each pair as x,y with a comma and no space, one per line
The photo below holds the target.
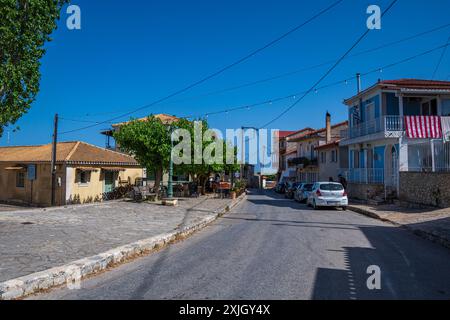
383,127
302,162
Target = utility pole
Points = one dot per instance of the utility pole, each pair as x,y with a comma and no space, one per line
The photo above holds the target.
170,183
262,167
243,147
241,176
53,163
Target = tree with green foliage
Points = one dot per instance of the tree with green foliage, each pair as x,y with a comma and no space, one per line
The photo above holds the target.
149,142
201,172
25,26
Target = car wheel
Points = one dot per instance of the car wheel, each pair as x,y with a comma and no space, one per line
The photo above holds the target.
344,208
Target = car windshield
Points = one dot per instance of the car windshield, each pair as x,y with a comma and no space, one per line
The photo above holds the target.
331,187
308,187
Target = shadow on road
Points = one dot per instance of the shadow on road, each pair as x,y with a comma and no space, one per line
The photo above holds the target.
406,273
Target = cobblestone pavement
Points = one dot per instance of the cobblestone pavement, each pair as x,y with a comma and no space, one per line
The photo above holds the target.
432,222
7,207
32,241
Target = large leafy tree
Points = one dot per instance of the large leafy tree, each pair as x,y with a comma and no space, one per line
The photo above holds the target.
25,26
201,172
149,142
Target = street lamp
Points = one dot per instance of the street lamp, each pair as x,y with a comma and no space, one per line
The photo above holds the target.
170,183
243,148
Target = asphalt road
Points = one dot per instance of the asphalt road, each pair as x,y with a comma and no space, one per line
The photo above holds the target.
272,248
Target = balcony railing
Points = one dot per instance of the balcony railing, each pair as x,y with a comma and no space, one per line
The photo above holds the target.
302,162
382,124
364,175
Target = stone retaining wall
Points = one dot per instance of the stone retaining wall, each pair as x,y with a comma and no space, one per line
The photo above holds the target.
425,188
362,191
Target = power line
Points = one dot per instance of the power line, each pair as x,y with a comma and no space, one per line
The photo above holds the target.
328,71
340,82
440,59
444,46
248,56
290,73
294,96
297,71
78,120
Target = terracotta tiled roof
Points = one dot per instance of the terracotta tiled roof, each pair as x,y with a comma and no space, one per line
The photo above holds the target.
165,118
405,85
284,134
306,130
310,134
417,83
75,152
328,145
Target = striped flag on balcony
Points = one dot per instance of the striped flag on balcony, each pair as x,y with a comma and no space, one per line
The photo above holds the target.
423,127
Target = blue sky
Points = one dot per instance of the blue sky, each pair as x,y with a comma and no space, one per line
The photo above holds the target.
130,53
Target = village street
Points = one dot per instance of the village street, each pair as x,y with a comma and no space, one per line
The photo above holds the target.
268,247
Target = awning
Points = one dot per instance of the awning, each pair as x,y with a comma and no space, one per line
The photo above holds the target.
87,169
113,169
18,168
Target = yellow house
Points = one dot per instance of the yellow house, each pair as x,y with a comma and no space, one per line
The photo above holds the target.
83,173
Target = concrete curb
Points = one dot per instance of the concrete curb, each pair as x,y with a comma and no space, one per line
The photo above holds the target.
419,232
66,274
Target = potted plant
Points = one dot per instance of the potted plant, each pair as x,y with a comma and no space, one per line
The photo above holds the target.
233,193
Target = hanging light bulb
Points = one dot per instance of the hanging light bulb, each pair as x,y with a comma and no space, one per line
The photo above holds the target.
346,81
295,97
315,91
381,70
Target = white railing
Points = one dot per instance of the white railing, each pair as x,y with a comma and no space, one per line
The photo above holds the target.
429,156
364,175
393,123
382,124
308,177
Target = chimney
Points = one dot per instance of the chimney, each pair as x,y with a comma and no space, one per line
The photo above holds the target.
358,82
328,128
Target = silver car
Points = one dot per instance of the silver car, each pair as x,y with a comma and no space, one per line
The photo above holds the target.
303,191
328,194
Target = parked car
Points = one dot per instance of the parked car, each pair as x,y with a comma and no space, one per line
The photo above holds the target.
328,194
303,191
281,187
290,189
287,185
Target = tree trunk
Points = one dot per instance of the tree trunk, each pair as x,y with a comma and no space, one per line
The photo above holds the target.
205,180
158,178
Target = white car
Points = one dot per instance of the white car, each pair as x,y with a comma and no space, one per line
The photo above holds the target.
328,194
303,191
